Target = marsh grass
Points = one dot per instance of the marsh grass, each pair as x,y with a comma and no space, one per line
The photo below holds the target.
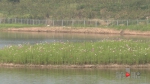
102,52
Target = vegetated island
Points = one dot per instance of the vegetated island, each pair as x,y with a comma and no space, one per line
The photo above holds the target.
103,54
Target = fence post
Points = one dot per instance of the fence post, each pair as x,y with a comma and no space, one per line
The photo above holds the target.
72,23
117,22
15,20
46,22
27,22
8,21
137,22
53,22
67,22
21,21
33,21
107,22
96,23
84,23
4,21
39,22
11,21
62,23
127,22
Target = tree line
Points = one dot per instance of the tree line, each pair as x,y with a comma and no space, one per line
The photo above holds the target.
75,9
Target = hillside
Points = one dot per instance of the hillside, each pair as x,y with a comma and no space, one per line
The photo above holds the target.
75,9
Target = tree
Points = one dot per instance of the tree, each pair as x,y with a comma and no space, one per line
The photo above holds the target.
14,0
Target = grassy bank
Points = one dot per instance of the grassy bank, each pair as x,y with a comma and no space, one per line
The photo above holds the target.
2,26
123,27
132,27
140,27
103,52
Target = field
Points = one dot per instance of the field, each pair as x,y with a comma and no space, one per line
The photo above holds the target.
79,53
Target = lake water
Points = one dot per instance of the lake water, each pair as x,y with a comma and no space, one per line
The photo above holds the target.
70,76
15,38
67,76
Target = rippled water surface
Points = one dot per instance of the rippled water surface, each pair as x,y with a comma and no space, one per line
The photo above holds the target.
15,38
71,76
67,76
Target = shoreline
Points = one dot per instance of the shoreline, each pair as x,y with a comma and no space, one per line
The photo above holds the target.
77,30
90,66
80,30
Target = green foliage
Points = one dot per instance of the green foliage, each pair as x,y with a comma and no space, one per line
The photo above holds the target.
14,0
103,52
132,27
76,9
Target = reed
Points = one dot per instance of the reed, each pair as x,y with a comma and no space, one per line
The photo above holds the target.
102,52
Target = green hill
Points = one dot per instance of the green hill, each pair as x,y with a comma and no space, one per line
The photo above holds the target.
75,9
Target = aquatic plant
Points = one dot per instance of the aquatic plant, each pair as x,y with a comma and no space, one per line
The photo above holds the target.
101,52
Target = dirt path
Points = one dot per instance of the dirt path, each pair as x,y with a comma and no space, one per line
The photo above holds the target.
80,30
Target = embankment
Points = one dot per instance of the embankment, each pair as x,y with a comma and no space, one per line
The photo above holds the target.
80,30
74,66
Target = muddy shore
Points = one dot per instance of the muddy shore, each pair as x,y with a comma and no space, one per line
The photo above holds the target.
79,30
74,66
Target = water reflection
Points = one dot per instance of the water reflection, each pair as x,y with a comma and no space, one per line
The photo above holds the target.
68,76
65,76
14,38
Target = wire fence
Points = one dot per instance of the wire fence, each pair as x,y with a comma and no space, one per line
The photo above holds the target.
75,23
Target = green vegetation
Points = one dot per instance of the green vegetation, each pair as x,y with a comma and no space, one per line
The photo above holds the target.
75,9
102,52
17,25
127,14
119,27
131,27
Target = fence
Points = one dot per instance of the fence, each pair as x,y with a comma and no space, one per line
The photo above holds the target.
75,23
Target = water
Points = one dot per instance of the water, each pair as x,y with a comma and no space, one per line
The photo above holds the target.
66,76
15,38
69,76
